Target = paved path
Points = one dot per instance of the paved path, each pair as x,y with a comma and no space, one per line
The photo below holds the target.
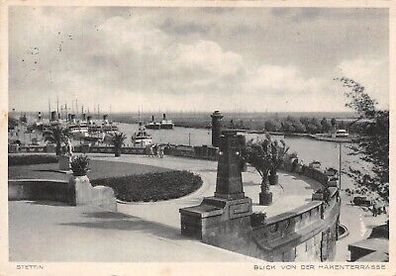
42,232
140,232
359,222
296,190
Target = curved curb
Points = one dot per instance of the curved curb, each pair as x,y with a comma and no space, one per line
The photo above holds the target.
345,234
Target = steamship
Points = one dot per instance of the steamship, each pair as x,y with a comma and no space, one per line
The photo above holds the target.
141,139
153,124
164,124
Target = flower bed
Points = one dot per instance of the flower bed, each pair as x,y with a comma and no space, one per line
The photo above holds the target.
152,186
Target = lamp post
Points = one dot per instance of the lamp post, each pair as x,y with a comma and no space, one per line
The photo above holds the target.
339,165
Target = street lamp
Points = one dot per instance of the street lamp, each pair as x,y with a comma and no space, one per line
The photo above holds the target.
339,165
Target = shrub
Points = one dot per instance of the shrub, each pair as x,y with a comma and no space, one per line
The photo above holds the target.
19,160
118,141
258,219
152,186
79,165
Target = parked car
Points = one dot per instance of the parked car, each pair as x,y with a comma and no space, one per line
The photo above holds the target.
362,201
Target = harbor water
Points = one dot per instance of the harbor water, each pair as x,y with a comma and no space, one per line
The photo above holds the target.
307,149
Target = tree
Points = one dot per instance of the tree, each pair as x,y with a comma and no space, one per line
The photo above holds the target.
258,155
278,153
59,136
316,126
325,125
12,123
118,141
272,125
287,126
264,155
373,145
333,122
299,127
312,125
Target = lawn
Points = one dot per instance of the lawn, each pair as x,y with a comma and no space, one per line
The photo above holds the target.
130,181
152,186
99,170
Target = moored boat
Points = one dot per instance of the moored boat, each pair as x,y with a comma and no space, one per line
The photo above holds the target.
141,139
153,124
165,123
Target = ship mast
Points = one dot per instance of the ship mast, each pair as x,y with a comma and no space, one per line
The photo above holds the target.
49,109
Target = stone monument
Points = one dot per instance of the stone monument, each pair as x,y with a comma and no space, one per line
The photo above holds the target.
227,214
216,127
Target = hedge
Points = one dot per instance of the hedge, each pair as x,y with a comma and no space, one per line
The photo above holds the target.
30,159
152,186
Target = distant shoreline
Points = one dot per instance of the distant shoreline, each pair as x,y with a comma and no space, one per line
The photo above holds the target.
279,133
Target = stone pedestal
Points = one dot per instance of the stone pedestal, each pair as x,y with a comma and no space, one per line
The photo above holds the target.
82,193
221,219
215,219
64,163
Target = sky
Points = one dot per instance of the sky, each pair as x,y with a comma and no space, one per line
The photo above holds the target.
195,59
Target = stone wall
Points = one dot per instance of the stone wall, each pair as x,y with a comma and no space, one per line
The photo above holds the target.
63,191
38,189
198,152
309,233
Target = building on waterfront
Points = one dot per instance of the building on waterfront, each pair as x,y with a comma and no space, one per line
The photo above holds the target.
216,127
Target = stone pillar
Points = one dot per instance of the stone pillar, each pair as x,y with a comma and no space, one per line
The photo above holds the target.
216,127
224,219
229,176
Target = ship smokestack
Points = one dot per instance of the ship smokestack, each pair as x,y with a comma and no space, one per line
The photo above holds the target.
53,116
164,116
152,118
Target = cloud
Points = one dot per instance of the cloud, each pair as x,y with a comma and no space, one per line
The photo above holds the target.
158,57
183,28
281,79
207,56
372,73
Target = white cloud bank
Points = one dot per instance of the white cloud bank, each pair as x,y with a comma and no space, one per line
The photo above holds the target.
125,58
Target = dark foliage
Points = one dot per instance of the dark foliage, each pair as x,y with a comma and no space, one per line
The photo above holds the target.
118,141
80,165
373,146
57,135
19,160
258,219
152,186
265,155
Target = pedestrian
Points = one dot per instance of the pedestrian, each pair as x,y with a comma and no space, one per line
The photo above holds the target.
374,210
155,150
161,152
294,164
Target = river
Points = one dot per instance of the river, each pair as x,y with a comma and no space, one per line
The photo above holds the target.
307,149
